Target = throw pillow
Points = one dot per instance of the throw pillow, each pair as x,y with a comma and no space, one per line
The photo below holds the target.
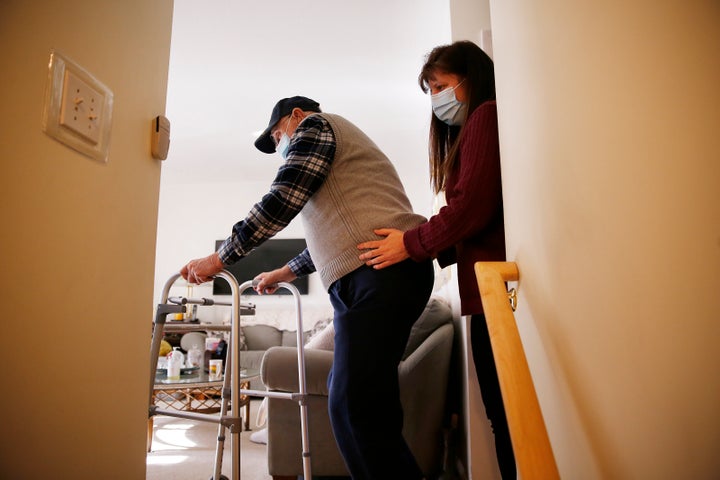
322,336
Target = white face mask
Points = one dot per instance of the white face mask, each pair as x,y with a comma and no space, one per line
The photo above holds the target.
447,107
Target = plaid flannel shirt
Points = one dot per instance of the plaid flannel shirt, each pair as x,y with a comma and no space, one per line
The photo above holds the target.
310,155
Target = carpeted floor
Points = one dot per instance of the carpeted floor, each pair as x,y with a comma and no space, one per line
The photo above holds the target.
185,450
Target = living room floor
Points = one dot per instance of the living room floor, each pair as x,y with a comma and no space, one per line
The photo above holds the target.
185,450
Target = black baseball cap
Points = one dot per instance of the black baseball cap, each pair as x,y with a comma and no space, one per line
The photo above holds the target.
265,143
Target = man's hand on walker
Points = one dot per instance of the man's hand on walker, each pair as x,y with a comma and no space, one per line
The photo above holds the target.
267,282
202,270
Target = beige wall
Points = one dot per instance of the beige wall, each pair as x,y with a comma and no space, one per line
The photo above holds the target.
609,122
78,242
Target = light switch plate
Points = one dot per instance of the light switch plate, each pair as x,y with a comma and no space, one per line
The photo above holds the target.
78,108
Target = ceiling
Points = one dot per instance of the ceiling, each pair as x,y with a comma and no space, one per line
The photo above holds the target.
232,60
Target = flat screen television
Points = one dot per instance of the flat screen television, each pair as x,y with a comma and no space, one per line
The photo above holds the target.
272,254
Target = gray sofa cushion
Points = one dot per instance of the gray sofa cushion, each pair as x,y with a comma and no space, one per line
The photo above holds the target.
435,314
262,337
289,338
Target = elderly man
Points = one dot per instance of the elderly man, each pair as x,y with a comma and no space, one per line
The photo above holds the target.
345,188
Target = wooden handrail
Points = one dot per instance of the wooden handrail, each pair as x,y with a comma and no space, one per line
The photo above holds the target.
531,445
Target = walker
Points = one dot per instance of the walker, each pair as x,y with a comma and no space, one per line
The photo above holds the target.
231,384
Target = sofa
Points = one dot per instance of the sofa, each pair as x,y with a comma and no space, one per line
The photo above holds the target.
423,375
257,339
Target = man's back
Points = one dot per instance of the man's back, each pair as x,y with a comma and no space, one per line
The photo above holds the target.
362,192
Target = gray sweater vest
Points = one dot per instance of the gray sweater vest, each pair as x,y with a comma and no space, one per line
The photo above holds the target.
362,192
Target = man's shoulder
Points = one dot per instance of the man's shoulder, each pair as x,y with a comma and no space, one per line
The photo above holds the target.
315,124
314,120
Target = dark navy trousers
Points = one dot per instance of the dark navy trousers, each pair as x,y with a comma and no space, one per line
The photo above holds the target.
374,311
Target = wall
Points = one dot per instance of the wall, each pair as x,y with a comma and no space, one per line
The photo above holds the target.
77,243
608,126
469,19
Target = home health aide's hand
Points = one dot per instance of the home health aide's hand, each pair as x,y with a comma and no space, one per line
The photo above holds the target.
383,253
202,270
266,282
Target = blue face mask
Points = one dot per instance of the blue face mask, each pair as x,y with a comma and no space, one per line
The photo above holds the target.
447,107
283,146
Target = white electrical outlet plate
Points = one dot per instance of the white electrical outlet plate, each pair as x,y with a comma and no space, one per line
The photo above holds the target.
78,108
81,107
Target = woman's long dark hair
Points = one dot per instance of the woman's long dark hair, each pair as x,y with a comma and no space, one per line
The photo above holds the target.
469,62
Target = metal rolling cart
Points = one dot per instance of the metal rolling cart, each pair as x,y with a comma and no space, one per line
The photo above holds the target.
229,416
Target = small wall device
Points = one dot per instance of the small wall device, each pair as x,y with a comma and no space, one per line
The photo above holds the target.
160,143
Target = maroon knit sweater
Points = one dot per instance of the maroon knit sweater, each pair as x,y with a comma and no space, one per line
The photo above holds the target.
470,227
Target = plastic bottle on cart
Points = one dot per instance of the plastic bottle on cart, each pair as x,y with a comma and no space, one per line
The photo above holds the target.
176,359
194,356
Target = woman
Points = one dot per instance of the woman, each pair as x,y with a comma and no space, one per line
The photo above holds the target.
465,165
